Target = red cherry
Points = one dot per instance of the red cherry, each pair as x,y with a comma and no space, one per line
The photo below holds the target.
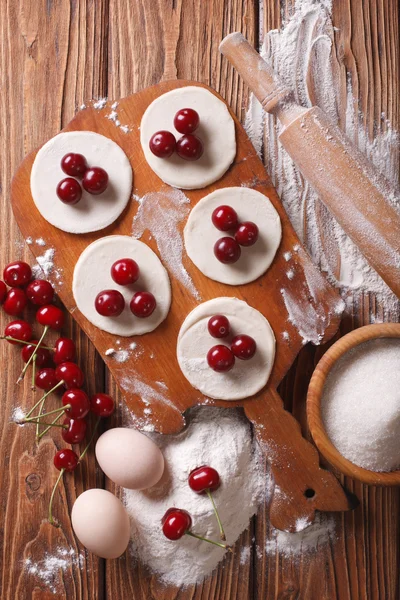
109,303
125,271
204,478
3,291
102,405
46,379
186,120
15,302
247,234
70,374
50,316
143,304
75,434
220,358
162,144
64,351
175,523
43,355
218,326
17,274
227,250
225,218
40,292
243,347
20,330
69,191
189,147
95,181
78,401
66,459
74,164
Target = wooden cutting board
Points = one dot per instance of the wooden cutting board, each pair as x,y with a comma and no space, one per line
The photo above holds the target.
151,376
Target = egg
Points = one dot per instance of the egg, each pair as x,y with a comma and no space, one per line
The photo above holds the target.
130,458
101,523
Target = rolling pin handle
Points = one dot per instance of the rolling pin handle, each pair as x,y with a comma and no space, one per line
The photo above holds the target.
255,72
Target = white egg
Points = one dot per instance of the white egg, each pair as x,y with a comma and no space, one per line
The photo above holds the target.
130,458
101,523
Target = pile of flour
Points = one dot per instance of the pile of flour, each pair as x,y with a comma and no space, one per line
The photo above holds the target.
303,54
220,438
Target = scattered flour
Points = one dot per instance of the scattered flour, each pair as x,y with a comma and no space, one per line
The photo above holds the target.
307,541
217,437
121,355
303,54
99,104
40,242
45,265
173,207
363,429
52,570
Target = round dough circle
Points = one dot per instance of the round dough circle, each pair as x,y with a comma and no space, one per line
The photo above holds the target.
92,275
92,213
216,130
200,235
194,341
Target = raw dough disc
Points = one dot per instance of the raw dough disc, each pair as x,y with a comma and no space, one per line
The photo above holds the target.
92,275
201,235
92,213
216,131
247,376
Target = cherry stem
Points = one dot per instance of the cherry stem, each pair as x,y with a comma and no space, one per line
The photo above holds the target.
43,397
221,529
51,520
50,412
33,387
20,378
91,439
38,423
12,339
203,539
50,426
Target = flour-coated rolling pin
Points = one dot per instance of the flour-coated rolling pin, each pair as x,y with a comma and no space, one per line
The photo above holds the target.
352,189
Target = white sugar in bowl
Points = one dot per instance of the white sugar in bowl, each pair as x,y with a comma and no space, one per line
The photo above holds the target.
129,458
101,523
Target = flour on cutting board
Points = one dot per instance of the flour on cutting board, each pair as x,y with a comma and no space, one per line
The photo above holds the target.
303,55
46,266
160,213
112,115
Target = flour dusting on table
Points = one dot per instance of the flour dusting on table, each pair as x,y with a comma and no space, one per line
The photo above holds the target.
303,54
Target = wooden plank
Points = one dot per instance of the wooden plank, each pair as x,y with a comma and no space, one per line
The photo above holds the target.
363,561
149,42
52,56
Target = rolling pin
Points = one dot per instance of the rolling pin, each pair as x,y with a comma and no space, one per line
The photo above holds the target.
350,187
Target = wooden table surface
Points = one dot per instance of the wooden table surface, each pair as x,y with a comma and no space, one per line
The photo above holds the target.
54,55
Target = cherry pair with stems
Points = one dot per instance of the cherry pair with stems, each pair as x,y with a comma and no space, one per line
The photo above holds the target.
177,522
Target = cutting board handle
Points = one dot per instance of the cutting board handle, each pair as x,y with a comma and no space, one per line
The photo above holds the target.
301,485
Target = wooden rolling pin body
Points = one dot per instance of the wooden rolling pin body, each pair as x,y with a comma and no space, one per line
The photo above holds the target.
351,188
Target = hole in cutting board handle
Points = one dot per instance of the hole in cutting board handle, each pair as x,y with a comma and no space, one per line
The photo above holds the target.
309,493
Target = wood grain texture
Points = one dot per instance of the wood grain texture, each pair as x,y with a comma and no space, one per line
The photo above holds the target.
54,54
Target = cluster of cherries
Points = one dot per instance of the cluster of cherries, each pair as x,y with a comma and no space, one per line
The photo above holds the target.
53,367
94,179
221,358
111,303
189,147
177,522
228,249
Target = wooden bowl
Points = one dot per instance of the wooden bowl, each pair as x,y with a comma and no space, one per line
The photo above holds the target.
317,429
